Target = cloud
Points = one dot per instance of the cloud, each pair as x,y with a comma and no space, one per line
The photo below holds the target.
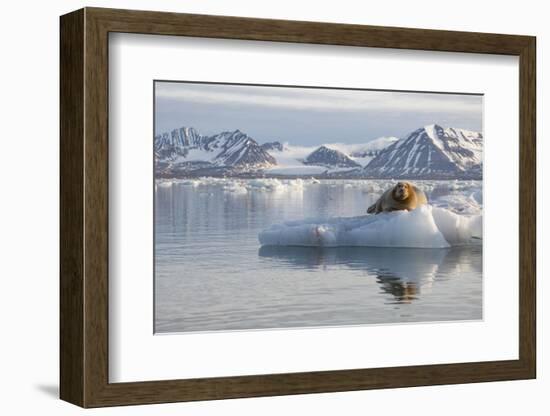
312,99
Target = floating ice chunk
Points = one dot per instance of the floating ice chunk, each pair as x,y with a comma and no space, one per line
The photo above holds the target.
373,187
190,182
424,227
295,184
459,203
265,184
275,185
478,196
458,229
235,188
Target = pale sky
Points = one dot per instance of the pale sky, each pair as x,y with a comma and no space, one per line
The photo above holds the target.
309,116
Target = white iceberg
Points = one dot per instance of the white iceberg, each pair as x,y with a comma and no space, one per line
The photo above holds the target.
424,227
235,188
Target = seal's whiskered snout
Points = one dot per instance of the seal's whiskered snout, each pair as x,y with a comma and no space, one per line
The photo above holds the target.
401,191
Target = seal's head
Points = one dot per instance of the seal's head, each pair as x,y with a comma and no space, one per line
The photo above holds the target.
401,191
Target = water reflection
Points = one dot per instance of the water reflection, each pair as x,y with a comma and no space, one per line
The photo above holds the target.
209,276
403,291
402,273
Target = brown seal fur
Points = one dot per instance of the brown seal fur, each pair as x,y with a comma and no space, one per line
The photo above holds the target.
403,196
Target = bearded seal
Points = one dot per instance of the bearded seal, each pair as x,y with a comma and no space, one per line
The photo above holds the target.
403,196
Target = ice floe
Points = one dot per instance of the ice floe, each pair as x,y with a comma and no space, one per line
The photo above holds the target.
424,227
377,186
453,218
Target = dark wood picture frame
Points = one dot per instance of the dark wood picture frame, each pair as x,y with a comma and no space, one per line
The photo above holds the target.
84,207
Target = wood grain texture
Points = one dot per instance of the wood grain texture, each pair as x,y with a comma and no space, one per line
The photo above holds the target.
226,27
528,208
84,207
71,185
96,208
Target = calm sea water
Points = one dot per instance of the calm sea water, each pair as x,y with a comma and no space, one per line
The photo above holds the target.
211,274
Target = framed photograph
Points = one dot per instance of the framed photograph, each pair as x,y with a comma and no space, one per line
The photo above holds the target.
255,207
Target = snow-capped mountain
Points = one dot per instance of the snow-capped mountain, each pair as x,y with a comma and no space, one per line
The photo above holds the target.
430,151
238,149
325,156
171,145
185,150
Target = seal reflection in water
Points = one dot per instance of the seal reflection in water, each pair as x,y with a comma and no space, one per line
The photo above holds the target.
403,196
